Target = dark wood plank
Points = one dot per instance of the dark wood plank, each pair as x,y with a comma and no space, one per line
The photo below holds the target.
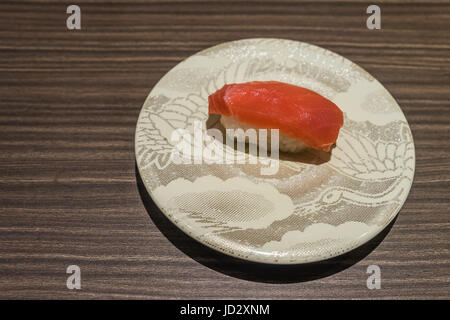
69,193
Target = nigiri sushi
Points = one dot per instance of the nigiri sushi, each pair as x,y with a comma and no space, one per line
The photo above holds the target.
304,118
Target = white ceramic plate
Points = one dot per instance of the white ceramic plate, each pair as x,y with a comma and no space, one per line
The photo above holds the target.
313,208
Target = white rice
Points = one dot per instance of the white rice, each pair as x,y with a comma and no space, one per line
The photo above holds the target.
286,143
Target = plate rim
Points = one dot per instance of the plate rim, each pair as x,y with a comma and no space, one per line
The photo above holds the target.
253,258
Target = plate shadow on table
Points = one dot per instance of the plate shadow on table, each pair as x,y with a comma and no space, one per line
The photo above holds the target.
246,270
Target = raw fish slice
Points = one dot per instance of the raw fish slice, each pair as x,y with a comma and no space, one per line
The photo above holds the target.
297,112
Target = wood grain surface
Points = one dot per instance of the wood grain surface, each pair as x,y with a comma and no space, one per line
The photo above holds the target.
69,191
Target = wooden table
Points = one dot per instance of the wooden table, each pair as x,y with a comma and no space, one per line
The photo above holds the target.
69,191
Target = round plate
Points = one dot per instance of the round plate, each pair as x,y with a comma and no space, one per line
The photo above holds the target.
316,206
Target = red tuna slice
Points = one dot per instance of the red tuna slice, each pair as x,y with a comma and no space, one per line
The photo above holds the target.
297,112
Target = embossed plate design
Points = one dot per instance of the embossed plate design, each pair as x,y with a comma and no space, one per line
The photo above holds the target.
309,210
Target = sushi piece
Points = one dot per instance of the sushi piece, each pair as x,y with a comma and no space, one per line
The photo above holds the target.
304,118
